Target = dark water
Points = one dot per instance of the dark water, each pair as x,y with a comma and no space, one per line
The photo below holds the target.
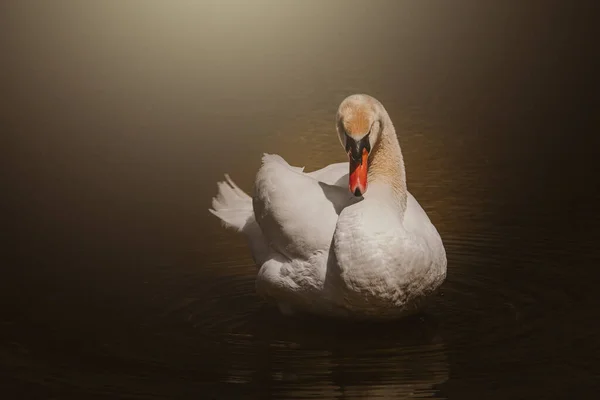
121,117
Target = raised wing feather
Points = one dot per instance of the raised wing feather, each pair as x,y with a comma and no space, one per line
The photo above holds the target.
296,212
333,174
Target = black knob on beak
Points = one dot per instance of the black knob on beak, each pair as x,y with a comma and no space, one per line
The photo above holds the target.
354,148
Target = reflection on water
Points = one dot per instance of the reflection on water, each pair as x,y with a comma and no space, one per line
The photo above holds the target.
123,116
308,356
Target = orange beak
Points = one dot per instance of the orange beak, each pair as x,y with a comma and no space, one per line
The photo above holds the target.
358,153
358,174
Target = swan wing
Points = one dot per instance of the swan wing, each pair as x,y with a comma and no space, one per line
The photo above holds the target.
333,174
297,213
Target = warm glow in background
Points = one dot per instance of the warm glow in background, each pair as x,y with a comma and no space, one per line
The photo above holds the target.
117,118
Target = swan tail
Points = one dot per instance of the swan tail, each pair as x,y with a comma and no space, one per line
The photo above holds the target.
232,205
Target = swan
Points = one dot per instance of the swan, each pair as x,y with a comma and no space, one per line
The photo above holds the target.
348,240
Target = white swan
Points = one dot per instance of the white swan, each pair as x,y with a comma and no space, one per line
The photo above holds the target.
348,240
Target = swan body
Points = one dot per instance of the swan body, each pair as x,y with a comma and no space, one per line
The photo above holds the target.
347,240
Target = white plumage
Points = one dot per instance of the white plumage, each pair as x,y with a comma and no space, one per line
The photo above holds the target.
324,250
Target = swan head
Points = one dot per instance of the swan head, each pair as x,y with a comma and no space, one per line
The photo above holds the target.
359,125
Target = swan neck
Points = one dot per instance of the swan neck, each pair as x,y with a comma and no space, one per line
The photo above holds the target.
386,166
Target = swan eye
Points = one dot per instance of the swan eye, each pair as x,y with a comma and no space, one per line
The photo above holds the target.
371,127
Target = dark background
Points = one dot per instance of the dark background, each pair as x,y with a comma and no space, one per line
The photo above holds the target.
118,118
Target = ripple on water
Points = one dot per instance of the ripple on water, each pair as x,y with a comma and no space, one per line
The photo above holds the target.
496,297
504,298
302,357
